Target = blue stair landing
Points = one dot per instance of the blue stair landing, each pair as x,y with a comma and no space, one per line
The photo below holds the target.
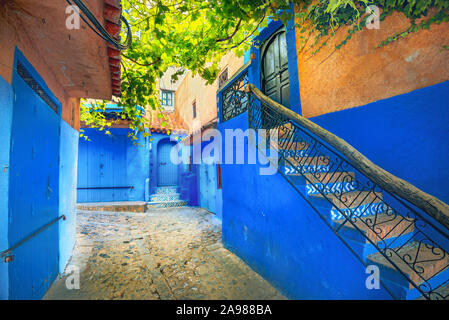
166,197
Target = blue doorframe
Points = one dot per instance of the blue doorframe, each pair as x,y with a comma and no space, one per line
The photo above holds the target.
34,184
254,70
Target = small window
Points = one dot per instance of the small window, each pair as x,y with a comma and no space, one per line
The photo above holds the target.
219,185
223,78
194,109
167,98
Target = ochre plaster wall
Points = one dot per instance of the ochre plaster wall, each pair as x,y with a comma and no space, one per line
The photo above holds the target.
195,89
358,74
38,30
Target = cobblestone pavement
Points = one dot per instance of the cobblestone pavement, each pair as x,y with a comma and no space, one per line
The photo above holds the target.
161,254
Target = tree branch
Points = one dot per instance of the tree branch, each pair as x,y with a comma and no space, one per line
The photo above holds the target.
233,34
141,64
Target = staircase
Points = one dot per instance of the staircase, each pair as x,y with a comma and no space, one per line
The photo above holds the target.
166,197
408,245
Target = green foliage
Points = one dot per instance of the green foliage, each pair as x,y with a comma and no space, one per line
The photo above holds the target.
322,18
190,34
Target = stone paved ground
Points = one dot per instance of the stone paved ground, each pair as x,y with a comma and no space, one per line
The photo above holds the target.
161,254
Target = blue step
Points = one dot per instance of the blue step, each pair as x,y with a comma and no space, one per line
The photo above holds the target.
167,204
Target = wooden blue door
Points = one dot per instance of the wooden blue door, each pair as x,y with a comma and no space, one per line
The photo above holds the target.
168,171
102,167
34,186
275,80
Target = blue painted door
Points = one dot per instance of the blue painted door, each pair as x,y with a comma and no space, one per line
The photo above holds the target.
34,191
275,78
102,167
208,187
168,171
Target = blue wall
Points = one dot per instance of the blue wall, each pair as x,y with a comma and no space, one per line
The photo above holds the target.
137,166
138,162
6,107
67,192
269,225
407,135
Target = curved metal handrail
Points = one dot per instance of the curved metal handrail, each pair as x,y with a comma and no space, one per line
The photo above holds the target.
392,184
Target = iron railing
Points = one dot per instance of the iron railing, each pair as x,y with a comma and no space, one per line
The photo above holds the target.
234,97
101,188
401,236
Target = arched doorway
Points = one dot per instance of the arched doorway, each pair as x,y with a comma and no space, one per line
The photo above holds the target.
167,170
275,80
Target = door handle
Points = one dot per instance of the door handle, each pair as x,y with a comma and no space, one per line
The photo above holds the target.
163,163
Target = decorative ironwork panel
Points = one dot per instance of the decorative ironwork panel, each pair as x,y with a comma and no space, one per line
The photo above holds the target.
402,238
234,97
37,88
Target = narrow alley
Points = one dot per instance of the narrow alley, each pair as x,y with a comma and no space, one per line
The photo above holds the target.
224,150
161,254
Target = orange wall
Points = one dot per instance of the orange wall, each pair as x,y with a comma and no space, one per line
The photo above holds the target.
195,89
12,36
358,74
69,61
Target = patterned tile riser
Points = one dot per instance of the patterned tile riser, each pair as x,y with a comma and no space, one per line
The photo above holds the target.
164,197
166,190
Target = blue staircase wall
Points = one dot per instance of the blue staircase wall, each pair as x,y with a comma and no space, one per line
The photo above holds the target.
6,107
269,225
406,135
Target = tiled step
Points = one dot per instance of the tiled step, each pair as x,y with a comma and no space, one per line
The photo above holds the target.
357,203
331,182
385,228
330,177
164,197
291,170
330,188
167,204
166,190
291,146
311,161
439,293
283,131
430,264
